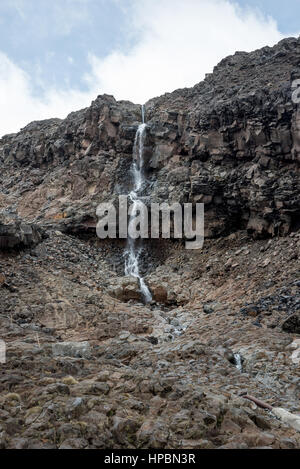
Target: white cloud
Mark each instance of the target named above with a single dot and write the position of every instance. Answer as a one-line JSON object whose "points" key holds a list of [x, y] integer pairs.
{"points": [[18, 105], [179, 41]]}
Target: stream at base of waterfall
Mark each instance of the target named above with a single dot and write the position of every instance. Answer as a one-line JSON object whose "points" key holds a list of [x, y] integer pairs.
{"points": [[133, 253]]}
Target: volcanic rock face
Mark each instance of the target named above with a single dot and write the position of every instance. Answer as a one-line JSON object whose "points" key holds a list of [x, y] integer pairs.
{"points": [[231, 142], [88, 365]]}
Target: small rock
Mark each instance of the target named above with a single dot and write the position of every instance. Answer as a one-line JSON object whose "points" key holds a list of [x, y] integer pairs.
{"points": [[292, 324], [72, 349], [208, 308], [124, 335]]}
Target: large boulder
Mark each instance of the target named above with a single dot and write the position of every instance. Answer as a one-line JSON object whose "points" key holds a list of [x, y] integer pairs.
{"points": [[159, 292], [72, 349], [14, 233], [125, 289], [292, 324], [167, 289]]}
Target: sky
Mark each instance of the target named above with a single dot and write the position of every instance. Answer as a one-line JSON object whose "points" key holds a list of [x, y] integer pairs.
{"points": [[57, 56]]}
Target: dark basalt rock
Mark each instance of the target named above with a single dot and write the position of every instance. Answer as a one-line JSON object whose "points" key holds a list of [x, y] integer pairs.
{"points": [[232, 142], [17, 234], [292, 324]]}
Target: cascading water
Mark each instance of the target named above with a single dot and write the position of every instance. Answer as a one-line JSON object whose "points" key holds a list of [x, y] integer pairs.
{"points": [[238, 361], [143, 114], [133, 253]]}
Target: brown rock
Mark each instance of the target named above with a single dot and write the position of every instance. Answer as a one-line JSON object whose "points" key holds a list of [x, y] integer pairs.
{"points": [[292, 324]]}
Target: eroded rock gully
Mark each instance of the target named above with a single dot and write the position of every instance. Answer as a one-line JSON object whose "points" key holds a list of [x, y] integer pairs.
{"points": [[88, 364]]}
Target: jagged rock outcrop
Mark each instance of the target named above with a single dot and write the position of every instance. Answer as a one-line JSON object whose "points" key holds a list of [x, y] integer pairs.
{"points": [[232, 142], [292, 324], [14, 233]]}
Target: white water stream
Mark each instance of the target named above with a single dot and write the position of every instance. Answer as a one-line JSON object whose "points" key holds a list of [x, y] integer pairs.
{"points": [[133, 253], [238, 361]]}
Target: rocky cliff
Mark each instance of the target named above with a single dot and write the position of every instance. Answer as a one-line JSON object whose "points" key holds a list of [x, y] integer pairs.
{"points": [[88, 364], [231, 142]]}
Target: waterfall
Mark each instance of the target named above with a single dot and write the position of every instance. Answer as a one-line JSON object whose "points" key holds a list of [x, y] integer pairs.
{"points": [[238, 361], [133, 253], [143, 114]]}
